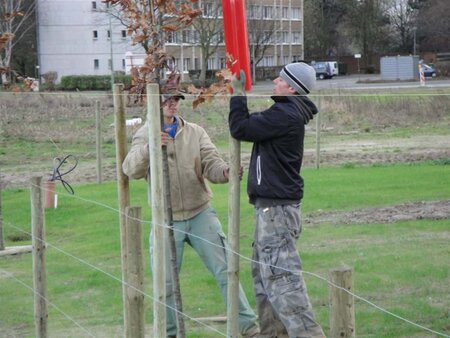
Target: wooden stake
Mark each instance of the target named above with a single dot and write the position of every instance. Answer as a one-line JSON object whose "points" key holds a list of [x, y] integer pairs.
{"points": [[122, 183], [135, 270], [318, 115], [39, 268], [2, 241], [158, 208], [342, 317], [233, 239], [98, 142]]}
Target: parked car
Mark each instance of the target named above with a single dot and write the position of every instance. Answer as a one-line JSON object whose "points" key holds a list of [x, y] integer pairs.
{"points": [[428, 71]]}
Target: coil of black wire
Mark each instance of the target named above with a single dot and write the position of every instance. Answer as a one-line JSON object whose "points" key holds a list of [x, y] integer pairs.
{"points": [[57, 175]]}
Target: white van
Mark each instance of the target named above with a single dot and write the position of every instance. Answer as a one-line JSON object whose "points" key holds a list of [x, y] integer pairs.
{"points": [[325, 69], [334, 67]]}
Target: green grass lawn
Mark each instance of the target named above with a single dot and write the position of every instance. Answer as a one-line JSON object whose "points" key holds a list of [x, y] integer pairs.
{"points": [[402, 267]]}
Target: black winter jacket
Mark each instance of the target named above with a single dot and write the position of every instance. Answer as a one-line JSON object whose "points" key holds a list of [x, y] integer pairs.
{"points": [[278, 134]]}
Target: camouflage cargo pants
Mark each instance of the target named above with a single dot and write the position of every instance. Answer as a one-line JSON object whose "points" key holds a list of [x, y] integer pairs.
{"points": [[282, 300]]}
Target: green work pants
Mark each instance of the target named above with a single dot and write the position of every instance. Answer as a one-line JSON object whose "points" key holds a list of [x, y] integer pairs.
{"points": [[204, 234]]}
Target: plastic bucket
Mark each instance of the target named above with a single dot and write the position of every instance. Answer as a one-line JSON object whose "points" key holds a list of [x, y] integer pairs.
{"points": [[49, 193]]}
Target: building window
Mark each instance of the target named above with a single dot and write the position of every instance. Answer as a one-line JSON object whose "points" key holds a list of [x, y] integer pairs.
{"points": [[96, 64], [124, 34], [95, 34], [186, 36], [186, 64], [94, 5], [207, 9], [177, 63], [223, 63], [295, 37], [211, 63], [295, 12], [285, 37], [255, 12], [285, 12], [195, 37], [268, 12], [196, 63], [269, 37], [171, 37], [267, 61], [220, 37], [171, 63]]}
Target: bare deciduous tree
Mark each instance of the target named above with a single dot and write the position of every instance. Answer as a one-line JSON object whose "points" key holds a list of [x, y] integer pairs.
{"points": [[369, 25], [402, 18], [146, 21], [323, 27], [262, 33], [209, 30], [13, 15], [433, 25]]}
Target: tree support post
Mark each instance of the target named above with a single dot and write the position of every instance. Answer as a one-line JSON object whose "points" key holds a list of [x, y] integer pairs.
{"points": [[342, 317], [318, 115], [123, 189], [39, 267], [135, 268], [156, 190], [233, 239], [2, 241], [98, 143]]}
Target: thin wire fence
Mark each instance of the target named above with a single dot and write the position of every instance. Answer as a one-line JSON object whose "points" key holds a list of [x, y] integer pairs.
{"points": [[247, 259], [51, 125]]}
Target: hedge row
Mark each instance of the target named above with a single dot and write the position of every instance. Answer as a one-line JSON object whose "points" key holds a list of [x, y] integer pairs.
{"points": [[91, 82]]}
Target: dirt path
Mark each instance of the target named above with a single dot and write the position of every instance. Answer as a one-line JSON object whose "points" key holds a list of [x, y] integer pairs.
{"points": [[433, 210], [358, 152]]}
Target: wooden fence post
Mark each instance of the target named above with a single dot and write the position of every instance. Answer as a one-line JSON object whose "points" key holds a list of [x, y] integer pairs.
{"points": [[98, 142], [39, 269], [135, 269], [342, 316], [122, 182], [2, 241], [233, 239], [318, 115], [156, 190]]}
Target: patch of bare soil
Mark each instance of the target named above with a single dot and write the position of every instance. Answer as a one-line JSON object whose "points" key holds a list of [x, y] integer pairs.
{"points": [[382, 151], [433, 210]]}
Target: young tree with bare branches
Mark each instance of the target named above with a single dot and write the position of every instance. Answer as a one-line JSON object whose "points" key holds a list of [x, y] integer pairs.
{"points": [[147, 22], [209, 29], [261, 35]]}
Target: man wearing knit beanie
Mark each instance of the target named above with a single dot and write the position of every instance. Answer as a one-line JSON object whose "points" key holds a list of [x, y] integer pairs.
{"points": [[300, 76], [275, 188]]}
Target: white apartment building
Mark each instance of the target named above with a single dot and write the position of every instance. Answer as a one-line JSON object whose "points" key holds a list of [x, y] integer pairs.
{"points": [[79, 37]]}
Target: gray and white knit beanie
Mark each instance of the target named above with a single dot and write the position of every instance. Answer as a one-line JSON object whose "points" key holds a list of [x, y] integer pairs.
{"points": [[300, 76]]}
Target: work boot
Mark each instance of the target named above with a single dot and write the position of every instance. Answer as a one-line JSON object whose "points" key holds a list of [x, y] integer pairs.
{"points": [[252, 333]]}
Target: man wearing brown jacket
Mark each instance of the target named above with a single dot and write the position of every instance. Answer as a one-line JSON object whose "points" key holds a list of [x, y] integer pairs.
{"points": [[192, 158]]}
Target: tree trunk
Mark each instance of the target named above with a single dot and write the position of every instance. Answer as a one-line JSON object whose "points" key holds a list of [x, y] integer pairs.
{"points": [[2, 243], [159, 42], [204, 68], [173, 249]]}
